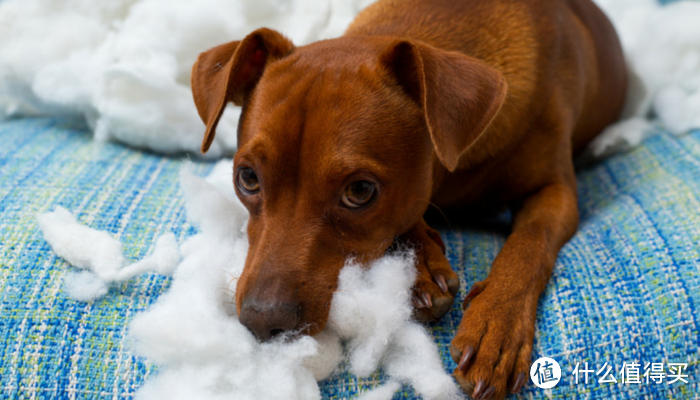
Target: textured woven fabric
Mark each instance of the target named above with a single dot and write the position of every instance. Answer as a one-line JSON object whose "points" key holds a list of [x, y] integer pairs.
{"points": [[626, 288]]}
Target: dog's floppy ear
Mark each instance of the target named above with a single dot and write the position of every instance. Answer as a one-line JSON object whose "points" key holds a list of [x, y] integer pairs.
{"points": [[230, 72], [459, 95]]}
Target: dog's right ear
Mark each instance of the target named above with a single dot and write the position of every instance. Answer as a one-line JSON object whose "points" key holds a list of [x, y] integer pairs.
{"points": [[230, 72]]}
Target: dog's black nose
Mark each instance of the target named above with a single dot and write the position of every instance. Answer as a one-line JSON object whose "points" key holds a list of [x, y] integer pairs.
{"points": [[268, 319]]}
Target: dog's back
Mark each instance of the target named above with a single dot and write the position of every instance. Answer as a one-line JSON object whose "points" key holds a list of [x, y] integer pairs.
{"points": [[543, 49]]}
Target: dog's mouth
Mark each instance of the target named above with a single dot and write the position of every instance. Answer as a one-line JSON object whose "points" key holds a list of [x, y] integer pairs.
{"points": [[285, 311], [283, 335]]}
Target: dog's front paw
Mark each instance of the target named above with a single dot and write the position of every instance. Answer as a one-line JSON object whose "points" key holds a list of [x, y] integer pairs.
{"points": [[494, 341], [436, 284]]}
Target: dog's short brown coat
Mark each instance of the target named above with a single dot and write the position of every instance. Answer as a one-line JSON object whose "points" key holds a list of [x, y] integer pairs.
{"points": [[462, 103]]}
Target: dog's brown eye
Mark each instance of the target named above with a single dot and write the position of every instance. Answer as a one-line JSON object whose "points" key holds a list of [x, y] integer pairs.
{"points": [[248, 181], [358, 194]]}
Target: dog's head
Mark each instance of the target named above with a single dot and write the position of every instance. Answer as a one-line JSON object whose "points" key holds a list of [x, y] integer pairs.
{"points": [[339, 144]]}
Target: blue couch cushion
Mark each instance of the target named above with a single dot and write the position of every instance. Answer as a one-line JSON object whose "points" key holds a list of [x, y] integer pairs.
{"points": [[625, 289]]}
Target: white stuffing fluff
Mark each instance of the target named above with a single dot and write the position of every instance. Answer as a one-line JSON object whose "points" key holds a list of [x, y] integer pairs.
{"points": [[100, 254], [125, 64], [622, 136], [81, 246], [662, 47], [84, 286], [192, 331]]}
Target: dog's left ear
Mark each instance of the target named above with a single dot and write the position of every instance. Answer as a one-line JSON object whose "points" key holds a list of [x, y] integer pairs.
{"points": [[230, 72], [459, 95]]}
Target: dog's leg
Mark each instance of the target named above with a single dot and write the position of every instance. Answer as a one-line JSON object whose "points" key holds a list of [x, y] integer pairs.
{"points": [[494, 341], [436, 283]]}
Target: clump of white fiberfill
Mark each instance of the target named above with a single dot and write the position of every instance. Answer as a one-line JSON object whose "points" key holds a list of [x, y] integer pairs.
{"points": [[662, 48], [100, 255], [622, 136], [125, 64], [81, 246], [84, 286], [193, 334], [371, 312]]}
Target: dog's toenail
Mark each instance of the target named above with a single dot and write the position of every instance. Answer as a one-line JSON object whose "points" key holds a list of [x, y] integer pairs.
{"points": [[479, 389], [519, 382], [489, 393], [466, 358], [475, 290], [440, 280], [427, 300], [418, 303]]}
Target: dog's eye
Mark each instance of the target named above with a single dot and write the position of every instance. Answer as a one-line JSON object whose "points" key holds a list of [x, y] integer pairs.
{"points": [[358, 194], [248, 181]]}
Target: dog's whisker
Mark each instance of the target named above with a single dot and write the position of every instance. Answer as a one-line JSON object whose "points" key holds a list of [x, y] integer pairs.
{"points": [[444, 216]]}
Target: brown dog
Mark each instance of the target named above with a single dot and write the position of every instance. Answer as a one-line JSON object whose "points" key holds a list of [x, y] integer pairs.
{"points": [[463, 103]]}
